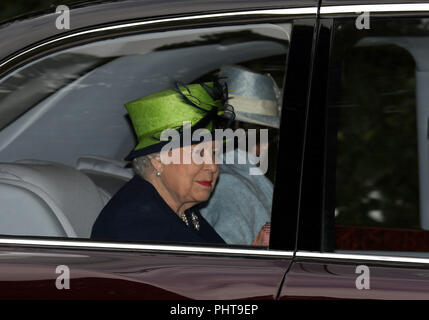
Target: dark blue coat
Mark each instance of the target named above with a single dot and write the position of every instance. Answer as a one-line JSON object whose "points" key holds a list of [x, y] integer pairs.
{"points": [[138, 213]]}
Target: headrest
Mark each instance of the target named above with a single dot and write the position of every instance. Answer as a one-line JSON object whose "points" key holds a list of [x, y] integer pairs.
{"points": [[68, 189], [105, 165]]}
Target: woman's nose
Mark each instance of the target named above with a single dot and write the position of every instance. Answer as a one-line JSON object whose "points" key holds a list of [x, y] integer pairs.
{"points": [[211, 165]]}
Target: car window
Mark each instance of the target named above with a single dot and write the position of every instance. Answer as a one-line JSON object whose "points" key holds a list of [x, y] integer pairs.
{"points": [[377, 138], [64, 130]]}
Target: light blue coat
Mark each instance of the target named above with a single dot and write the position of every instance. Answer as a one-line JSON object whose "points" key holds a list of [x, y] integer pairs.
{"points": [[240, 204]]}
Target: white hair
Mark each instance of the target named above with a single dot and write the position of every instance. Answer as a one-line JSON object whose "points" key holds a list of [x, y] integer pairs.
{"points": [[143, 165]]}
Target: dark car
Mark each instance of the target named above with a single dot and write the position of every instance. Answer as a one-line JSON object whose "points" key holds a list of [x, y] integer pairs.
{"points": [[349, 161]]}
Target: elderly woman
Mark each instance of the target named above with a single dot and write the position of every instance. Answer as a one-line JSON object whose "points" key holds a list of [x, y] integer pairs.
{"points": [[160, 202]]}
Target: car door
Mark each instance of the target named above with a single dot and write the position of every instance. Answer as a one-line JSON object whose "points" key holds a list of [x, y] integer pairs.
{"points": [[363, 217], [52, 83]]}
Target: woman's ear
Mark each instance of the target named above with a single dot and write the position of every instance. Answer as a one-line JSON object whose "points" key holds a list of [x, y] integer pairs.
{"points": [[156, 162]]}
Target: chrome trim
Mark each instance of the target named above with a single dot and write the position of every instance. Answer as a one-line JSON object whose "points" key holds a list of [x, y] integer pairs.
{"points": [[410, 7], [73, 244], [292, 11], [366, 257]]}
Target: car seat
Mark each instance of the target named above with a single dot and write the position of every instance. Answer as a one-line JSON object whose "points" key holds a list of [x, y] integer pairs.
{"points": [[41, 198], [108, 174]]}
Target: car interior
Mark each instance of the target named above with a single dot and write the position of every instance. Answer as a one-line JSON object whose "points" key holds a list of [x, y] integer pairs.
{"points": [[64, 131]]}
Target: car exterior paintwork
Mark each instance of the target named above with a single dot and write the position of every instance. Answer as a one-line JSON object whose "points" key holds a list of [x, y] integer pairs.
{"points": [[337, 280], [31, 273]]}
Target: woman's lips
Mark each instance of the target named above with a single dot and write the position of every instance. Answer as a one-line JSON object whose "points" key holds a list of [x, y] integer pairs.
{"points": [[205, 183]]}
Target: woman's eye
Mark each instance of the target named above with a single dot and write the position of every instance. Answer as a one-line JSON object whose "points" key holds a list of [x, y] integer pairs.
{"points": [[199, 152]]}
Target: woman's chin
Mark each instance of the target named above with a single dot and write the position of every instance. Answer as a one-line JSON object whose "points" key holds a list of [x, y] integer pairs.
{"points": [[202, 196]]}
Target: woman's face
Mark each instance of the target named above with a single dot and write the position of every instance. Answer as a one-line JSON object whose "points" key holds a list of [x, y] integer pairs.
{"points": [[192, 182]]}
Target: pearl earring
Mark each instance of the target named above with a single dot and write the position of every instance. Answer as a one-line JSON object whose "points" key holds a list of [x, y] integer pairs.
{"points": [[158, 173]]}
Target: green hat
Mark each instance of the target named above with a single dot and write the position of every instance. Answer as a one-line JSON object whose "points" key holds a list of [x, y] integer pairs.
{"points": [[200, 104]]}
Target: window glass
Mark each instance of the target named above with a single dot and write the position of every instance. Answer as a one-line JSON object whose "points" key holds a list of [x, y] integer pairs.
{"points": [[378, 136], [64, 134]]}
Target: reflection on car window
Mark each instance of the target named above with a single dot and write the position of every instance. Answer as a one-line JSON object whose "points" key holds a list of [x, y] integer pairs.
{"points": [[24, 89], [377, 136], [66, 138]]}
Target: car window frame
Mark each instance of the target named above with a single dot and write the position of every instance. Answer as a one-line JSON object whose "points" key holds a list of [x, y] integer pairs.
{"points": [[75, 38], [316, 233]]}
